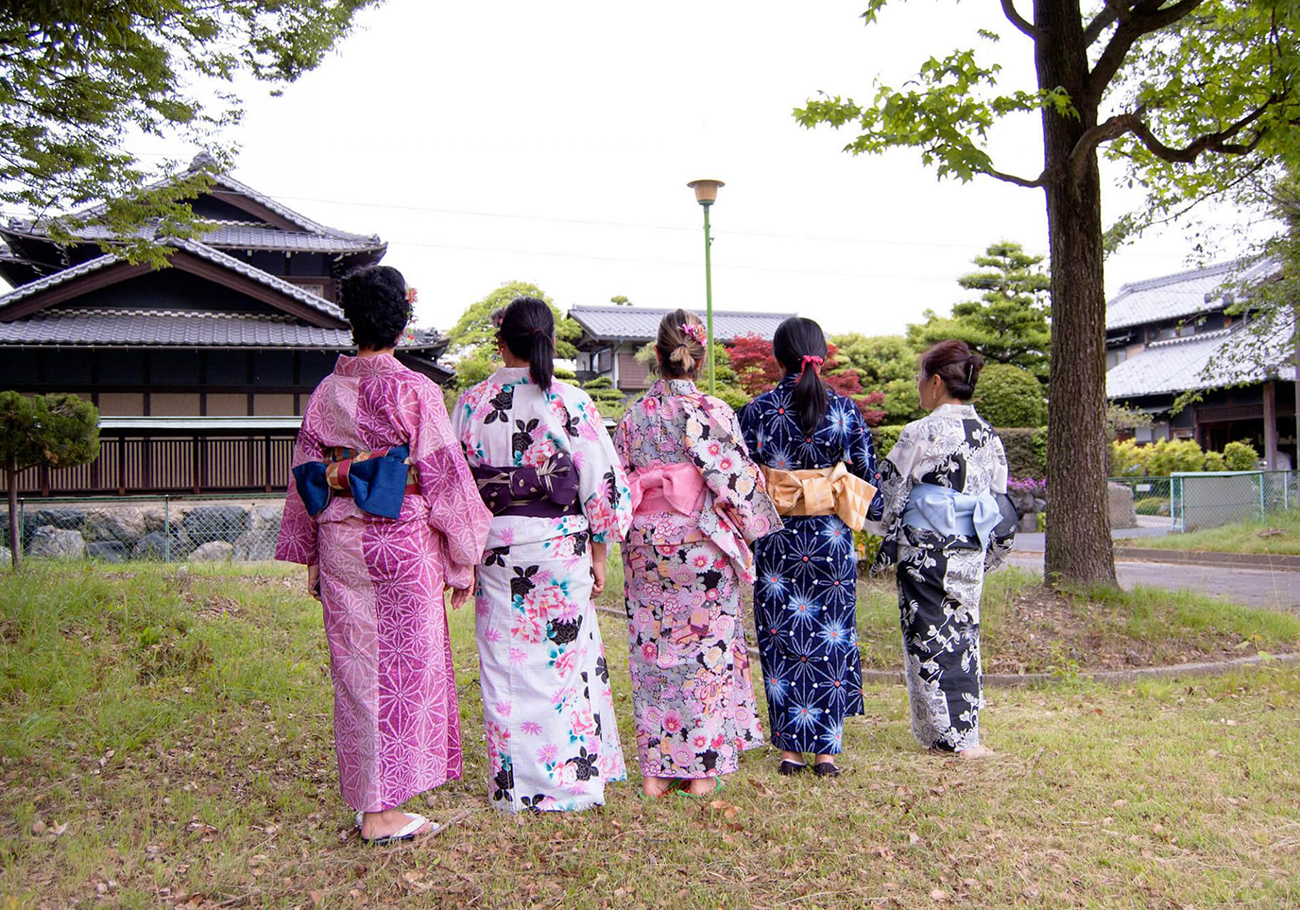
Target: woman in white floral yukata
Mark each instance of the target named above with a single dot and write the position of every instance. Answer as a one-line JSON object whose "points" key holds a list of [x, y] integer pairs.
{"points": [[698, 503], [546, 469], [946, 522]]}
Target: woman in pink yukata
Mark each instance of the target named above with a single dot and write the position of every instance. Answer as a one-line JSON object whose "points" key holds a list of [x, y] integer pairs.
{"points": [[384, 513], [698, 503], [546, 468]]}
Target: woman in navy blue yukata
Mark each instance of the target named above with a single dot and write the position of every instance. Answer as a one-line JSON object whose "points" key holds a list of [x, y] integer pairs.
{"points": [[820, 465]]}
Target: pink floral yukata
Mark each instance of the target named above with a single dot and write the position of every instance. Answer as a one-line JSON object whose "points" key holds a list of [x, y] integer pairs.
{"points": [[396, 718], [548, 469], [691, 686]]}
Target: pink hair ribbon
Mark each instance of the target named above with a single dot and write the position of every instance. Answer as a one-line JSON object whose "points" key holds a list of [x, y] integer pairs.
{"points": [[814, 360]]}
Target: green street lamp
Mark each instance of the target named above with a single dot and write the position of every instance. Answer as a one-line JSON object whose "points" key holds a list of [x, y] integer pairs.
{"points": [[706, 193]]}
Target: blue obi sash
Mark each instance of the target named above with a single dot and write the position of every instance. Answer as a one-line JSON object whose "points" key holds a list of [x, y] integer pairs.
{"points": [[377, 481], [953, 514]]}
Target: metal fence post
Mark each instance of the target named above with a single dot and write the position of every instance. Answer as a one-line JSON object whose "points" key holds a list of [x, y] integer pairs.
{"points": [[167, 529], [22, 527]]}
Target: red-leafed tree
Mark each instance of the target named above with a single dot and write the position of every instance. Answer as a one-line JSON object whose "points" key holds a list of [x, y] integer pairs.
{"points": [[757, 371]]}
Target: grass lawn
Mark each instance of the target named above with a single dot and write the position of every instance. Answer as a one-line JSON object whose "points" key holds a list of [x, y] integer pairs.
{"points": [[1278, 535], [165, 741]]}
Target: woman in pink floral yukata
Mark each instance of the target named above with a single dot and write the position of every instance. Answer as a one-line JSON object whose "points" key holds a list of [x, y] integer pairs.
{"points": [[546, 468], [698, 503], [384, 513]]}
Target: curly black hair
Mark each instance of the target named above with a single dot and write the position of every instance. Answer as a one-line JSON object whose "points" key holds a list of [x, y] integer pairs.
{"points": [[374, 300]]}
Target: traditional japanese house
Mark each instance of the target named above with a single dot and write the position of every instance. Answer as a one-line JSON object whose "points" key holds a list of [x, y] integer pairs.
{"points": [[1175, 334], [201, 370]]}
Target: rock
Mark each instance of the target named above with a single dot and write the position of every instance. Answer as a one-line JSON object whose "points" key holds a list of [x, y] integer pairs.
{"points": [[1028, 524], [108, 551], [216, 523], [214, 551], [1120, 500], [151, 546], [50, 542], [257, 545], [71, 519], [126, 525], [6, 557]]}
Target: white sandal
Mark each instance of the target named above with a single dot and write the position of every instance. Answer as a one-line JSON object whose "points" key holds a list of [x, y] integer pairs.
{"points": [[407, 832]]}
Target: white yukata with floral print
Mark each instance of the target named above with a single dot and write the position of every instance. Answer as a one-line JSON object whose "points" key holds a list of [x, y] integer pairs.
{"points": [[551, 734]]}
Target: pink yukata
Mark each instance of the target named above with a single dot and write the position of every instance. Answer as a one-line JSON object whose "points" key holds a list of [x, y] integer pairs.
{"points": [[683, 564], [546, 465], [396, 717]]}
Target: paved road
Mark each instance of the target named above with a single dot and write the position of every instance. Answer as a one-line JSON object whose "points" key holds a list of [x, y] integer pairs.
{"points": [[1276, 590]]}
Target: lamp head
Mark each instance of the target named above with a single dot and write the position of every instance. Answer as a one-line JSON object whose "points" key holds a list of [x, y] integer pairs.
{"points": [[706, 191]]}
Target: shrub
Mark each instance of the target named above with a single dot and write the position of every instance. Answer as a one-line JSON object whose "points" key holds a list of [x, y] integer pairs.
{"points": [[1214, 461], [1007, 396], [1152, 505], [1170, 456], [885, 437], [1240, 456], [1023, 452], [608, 400]]}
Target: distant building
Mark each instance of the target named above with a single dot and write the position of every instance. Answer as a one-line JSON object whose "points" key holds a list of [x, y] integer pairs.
{"points": [[200, 371], [1168, 335], [612, 335]]}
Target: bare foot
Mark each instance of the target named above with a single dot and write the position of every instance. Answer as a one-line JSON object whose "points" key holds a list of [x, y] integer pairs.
{"points": [[702, 786], [655, 787], [792, 757], [387, 823], [976, 752]]}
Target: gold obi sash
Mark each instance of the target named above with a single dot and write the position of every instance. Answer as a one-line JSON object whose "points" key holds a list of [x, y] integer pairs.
{"points": [[821, 491]]}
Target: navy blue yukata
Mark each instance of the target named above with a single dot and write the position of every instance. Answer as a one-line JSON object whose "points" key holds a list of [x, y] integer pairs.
{"points": [[805, 596]]}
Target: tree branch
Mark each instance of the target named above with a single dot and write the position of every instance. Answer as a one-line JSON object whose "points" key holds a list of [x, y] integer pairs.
{"points": [[1210, 142], [1103, 132], [1141, 20], [1115, 11], [1038, 181], [1019, 21]]}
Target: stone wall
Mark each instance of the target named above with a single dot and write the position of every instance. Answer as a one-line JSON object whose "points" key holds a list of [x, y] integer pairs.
{"points": [[117, 532]]}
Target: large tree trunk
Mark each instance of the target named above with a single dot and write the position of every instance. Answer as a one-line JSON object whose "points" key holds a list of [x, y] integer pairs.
{"points": [[1078, 527], [15, 539]]}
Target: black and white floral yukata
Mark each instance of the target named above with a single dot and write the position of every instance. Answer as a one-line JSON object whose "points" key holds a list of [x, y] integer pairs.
{"points": [[941, 576]]}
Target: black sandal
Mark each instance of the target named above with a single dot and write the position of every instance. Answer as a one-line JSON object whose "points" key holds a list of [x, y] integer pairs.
{"points": [[826, 769], [787, 768]]}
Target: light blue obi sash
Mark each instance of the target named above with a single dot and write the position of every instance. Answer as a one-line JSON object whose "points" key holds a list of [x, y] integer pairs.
{"points": [[948, 512]]}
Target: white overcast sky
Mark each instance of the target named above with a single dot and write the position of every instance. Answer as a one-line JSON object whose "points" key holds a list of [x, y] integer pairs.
{"points": [[551, 142]]}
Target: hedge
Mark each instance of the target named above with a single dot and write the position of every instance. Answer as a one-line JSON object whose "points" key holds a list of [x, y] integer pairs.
{"points": [[1026, 448]]}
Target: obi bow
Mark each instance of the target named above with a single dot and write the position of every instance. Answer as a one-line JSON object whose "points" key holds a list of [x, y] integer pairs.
{"points": [[951, 513], [377, 481], [821, 491], [670, 488], [546, 492]]}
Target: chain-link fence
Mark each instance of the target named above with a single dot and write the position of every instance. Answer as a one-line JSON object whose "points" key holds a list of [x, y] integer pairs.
{"points": [[118, 529], [1196, 501]]}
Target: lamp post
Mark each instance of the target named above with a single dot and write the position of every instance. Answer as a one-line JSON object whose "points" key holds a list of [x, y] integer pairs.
{"points": [[706, 193]]}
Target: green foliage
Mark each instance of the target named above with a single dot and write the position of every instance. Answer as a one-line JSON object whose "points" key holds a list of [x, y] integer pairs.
{"points": [[1122, 419], [1214, 461], [1009, 323], [474, 328], [608, 400], [1007, 396], [885, 437], [902, 402], [1024, 455], [78, 78], [879, 359], [18, 438], [1240, 456], [1040, 448], [1152, 505]]}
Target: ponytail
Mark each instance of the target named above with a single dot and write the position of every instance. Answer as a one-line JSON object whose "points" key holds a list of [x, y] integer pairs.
{"points": [[800, 347], [541, 361], [527, 328], [680, 343]]}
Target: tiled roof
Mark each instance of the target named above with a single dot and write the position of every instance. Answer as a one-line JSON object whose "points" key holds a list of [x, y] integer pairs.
{"points": [[1180, 364], [180, 328], [190, 246], [610, 323], [243, 235], [1182, 294]]}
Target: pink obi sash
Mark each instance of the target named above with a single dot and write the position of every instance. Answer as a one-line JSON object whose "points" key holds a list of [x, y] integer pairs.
{"points": [[671, 488]]}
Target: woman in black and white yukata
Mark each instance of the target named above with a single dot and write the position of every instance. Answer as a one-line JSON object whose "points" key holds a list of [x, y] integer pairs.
{"points": [[946, 522]]}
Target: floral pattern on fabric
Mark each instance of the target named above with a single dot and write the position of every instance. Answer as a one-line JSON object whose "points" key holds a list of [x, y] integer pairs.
{"points": [[805, 598], [396, 717], [940, 577], [692, 692], [547, 706]]}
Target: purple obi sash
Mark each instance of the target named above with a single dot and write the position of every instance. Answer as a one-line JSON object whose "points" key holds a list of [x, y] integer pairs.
{"points": [[546, 492]]}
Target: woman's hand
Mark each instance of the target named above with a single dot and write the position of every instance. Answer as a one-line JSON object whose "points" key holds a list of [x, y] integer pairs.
{"points": [[313, 581], [460, 595], [599, 552]]}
